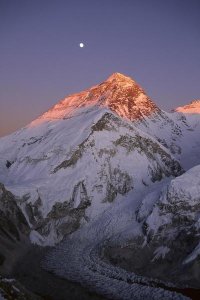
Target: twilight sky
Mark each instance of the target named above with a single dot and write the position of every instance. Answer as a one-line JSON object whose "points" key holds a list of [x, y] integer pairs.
{"points": [[156, 42]]}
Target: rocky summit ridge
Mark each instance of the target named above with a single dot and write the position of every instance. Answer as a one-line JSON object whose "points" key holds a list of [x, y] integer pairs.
{"points": [[108, 171], [119, 93]]}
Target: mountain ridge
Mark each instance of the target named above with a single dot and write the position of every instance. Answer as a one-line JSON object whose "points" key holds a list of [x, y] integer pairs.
{"points": [[119, 93], [103, 168], [192, 107]]}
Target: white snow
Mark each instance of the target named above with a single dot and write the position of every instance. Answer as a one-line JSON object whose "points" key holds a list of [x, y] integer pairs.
{"points": [[161, 252], [80, 256], [178, 132], [192, 256], [191, 108], [40, 152], [36, 238]]}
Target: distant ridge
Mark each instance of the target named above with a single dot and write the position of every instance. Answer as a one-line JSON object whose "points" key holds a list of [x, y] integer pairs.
{"points": [[192, 108]]}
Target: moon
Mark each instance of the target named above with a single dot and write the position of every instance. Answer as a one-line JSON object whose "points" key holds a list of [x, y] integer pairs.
{"points": [[81, 45]]}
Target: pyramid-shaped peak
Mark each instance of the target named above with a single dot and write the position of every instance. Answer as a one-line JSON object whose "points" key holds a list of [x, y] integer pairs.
{"points": [[119, 93], [119, 77]]}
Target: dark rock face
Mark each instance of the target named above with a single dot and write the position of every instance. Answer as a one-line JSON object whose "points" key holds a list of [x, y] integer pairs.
{"points": [[12, 221], [65, 217], [166, 167], [13, 226], [9, 164], [13, 290]]}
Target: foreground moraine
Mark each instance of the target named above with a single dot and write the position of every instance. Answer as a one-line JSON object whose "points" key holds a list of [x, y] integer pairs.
{"points": [[40, 282]]}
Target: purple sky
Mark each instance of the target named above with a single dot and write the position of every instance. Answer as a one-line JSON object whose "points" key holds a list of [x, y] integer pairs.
{"points": [[156, 42]]}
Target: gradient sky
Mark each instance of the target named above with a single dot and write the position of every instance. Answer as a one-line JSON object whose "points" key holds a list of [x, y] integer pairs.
{"points": [[156, 42]]}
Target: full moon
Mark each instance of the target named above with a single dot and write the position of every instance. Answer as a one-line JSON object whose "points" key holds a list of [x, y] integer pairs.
{"points": [[81, 45]]}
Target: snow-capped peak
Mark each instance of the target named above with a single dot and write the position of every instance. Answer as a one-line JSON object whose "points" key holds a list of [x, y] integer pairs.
{"points": [[192, 108], [118, 93], [119, 77]]}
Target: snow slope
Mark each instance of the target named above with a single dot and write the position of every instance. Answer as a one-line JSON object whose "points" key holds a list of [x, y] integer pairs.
{"points": [[72, 162], [81, 254], [172, 202], [192, 108], [178, 132], [98, 168], [119, 93], [178, 203], [65, 179]]}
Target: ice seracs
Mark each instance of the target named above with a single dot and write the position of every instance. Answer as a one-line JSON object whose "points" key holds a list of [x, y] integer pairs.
{"points": [[98, 169]]}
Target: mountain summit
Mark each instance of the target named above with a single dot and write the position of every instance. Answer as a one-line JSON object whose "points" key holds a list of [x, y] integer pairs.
{"points": [[192, 108], [119, 93], [83, 171]]}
